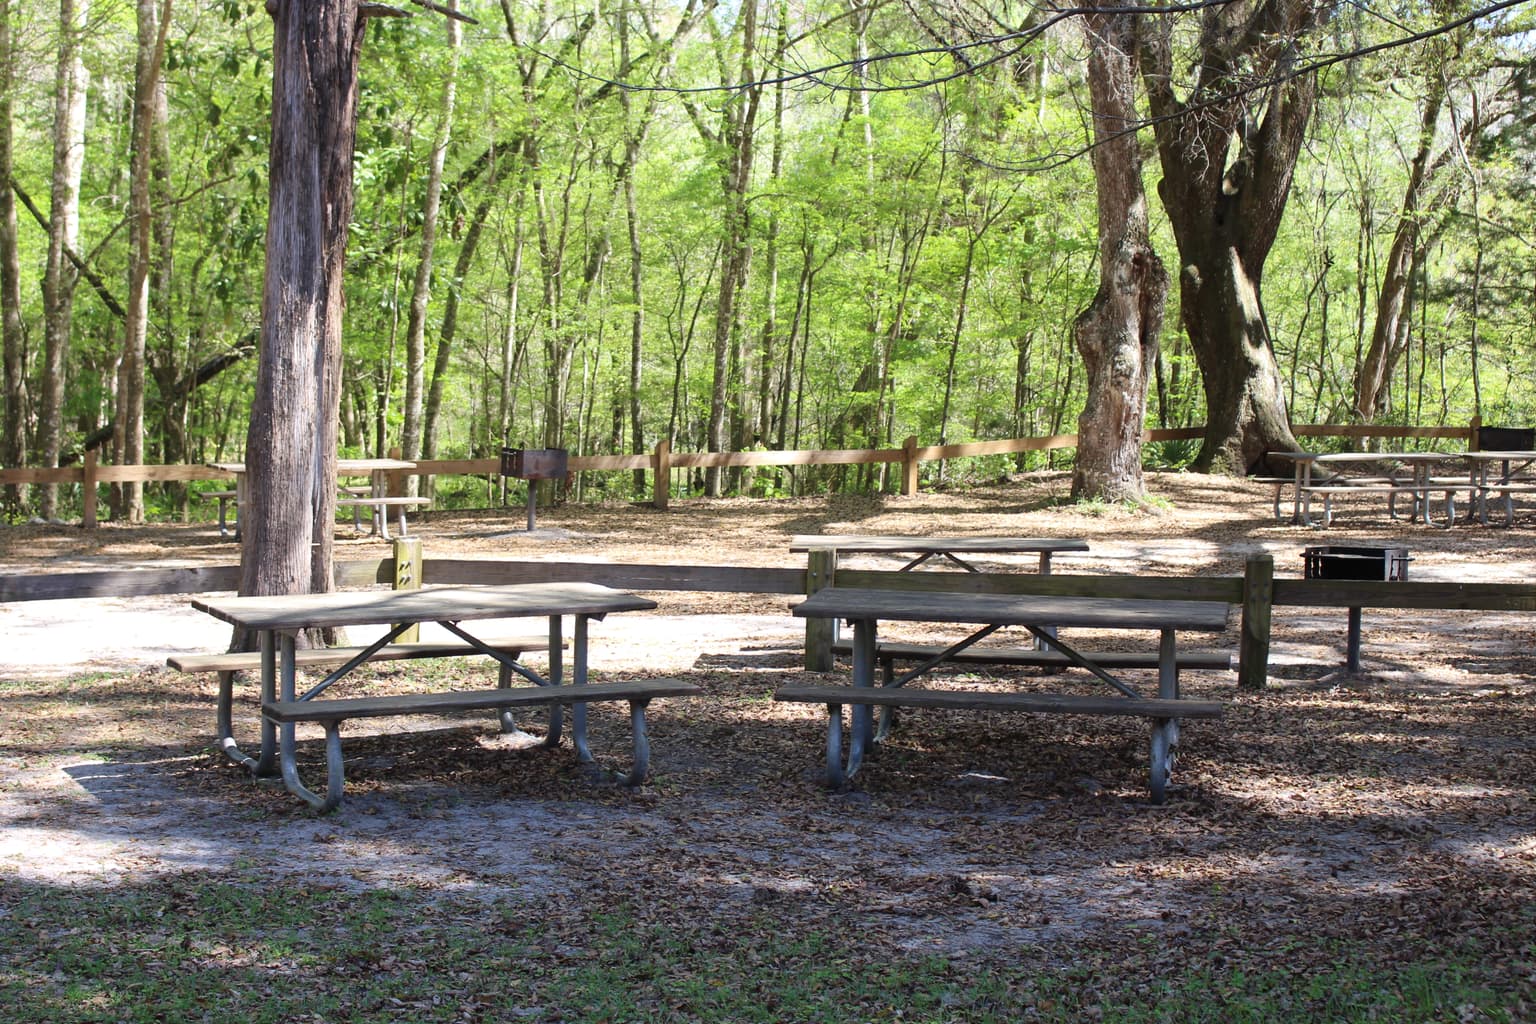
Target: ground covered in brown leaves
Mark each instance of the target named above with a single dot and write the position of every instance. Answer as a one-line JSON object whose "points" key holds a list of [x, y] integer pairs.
{"points": [[1382, 818]]}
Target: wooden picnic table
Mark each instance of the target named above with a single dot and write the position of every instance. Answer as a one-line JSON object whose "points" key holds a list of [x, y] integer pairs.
{"points": [[924, 549], [378, 497], [277, 621], [1040, 615], [1345, 478], [1502, 473], [947, 548]]}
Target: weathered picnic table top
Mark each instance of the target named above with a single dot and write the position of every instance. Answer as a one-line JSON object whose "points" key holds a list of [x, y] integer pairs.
{"points": [[429, 604], [936, 545], [1012, 610]]}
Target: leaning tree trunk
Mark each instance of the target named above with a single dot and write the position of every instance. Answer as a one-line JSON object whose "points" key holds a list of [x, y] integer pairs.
{"points": [[1228, 151], [291, 448], [1117, 334], [1246, 414]]}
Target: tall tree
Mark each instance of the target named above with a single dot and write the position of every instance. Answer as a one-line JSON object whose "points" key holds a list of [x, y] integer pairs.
{"points": [[733, 141], [153, 23], [415, 438], [1117, 334], [13, 444], [1228, 148], [70, 82]]}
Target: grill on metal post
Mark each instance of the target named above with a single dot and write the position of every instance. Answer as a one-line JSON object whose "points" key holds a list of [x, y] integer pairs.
{"points": [[532, 465], [1335, 562]]}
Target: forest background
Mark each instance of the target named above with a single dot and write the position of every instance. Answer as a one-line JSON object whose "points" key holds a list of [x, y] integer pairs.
{"points": [[756, 224]]}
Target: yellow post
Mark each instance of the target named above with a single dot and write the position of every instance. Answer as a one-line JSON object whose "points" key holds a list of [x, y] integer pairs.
{"points": [[820, 571], [408, 576]]}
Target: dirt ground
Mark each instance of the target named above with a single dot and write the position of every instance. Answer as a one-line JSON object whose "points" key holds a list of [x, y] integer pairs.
{"points": [[1394, 805]]}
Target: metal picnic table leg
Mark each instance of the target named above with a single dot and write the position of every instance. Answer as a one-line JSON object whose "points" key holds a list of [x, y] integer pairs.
{"points": [[266, 763], [380, 513], [579, 678], [288, 744], [1165, 731], [861, 723], [554, 677]]}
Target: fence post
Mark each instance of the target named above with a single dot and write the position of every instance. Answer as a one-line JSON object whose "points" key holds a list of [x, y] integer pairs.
{"points": [[88, 490], [407, 576], [394, 479], [1474, 434], [1258, 606], [909, 466], [661, 472], [820, 571]]}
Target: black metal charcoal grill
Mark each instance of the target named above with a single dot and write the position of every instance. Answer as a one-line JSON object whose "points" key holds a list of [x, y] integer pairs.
{"points": [[534, 464], [1336, 562]]}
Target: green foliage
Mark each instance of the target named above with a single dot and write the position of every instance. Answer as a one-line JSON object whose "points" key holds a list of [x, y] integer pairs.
{"points": [[195, 947], [890, 208]]}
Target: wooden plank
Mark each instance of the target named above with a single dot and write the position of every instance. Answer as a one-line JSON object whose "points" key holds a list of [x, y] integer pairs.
{"points": [[1012, 610], [120, 583], [964, 700], [392, 502], [971, 449], [250, 661], [622, 576], [1406, 594], [434, 604], [344, 708], [827, 457], [933, 545], [1029, 656], [1223, 589], [1379, 430]]}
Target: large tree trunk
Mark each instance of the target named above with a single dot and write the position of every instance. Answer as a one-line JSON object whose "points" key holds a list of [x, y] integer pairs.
{"points": [[1117, 334], [291, 448], [70, 82], [13, 444], [1228, 152]]}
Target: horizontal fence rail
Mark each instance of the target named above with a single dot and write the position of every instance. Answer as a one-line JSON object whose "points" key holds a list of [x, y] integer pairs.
{"points": [[663, 460]]}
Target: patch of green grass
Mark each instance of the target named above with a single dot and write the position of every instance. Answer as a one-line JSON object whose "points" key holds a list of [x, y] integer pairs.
{"points": [[197, 949]]}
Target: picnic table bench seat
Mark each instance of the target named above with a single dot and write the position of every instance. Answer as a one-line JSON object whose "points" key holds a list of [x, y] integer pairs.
{"points": [[1358, 485], [887, 652], [330, 713], [1505, 492], [380, 506], [224, 498], [1164, 712], [994, 700], [329, 657]]}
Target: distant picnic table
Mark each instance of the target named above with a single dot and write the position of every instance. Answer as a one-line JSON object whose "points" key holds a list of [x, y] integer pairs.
{"points": [[376, 496]]}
